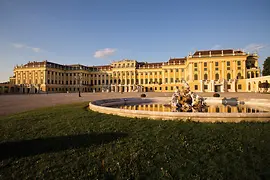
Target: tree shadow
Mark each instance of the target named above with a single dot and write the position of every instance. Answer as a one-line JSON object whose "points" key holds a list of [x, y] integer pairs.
{"points": [[32, 147]]}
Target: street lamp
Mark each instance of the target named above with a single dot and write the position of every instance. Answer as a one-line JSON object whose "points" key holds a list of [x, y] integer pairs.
{"points": [[78, 77]]}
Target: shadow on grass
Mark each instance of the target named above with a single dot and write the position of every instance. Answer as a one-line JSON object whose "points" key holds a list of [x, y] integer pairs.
{"points": [[32, 147]]}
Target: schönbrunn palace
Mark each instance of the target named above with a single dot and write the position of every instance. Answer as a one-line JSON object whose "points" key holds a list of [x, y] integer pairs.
{"points": [[205, 71]]}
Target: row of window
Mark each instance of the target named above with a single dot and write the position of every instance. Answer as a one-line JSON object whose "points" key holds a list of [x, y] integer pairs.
{"points": [[114, 74], [216, 64], [30, 81], [228, 87], [205, 77]]}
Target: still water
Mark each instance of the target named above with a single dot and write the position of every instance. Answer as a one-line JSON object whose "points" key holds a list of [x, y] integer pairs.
{"points": [[220, 108]]}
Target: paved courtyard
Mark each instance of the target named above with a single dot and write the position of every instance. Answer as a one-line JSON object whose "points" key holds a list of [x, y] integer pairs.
{"points": [[18, 103]]}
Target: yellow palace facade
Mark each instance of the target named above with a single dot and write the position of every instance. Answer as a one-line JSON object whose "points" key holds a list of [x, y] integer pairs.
{"points": [[205, 71]]}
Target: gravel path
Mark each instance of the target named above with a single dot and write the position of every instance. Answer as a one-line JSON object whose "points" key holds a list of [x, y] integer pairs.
{"points": [[10, 104]]}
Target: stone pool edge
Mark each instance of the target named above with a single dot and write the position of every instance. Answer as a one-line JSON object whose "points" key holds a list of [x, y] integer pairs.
{"points": [[100, 106]]}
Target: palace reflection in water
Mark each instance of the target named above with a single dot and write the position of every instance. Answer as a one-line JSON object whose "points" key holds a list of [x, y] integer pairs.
{"points": [[210, 108]]}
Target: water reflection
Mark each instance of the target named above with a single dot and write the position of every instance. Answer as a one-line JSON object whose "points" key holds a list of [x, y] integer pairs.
{"points": [[210, 108]]}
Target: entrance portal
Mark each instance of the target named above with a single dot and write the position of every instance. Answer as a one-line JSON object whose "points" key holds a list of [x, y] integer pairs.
{"points": [[217, 88]]}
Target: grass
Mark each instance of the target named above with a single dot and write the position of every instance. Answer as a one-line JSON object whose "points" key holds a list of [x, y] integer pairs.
{"points": [[71, 142]]}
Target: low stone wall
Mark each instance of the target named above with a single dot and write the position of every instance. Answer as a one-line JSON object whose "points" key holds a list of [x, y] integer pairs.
{"points": [[103, 106]]}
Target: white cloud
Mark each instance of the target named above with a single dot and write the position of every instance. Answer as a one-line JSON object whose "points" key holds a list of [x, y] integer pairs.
{"points": [[104, 52], [215, 47], [17, 45], [36, 49], [20, 46], [254, 47]]}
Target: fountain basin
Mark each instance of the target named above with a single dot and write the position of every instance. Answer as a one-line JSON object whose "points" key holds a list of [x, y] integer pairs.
{"points": [[109, 106]]}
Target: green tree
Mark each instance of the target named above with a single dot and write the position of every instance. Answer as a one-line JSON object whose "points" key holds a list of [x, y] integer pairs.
{"points": [[266, 67]]}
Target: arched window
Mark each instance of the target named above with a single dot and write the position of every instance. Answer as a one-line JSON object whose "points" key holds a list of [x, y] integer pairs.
{"points": [[217, 76], [252, 74], [228, 76], [248, 75], [195, 76], [257, 74], [249, 86], [239, 76], [205, 77]]}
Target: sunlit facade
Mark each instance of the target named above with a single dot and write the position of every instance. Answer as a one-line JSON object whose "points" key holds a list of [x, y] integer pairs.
{"points": [[205, 71]]}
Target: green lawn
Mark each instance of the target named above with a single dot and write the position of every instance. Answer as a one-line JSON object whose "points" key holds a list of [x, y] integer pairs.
{"points": [[71, 142]]}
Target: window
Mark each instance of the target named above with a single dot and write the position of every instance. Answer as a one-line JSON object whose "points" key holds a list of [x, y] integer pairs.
{"points": [[205, 64], [205, 69], [195, 69], [166, 80], [183, 70], [239, 86], [217, 77], [228, 63], [166, 88], [229, 109], [176, 70], [171, 70], [228, 86], [195, 76], [195, 64], [216, 69], [196, 87], [205, 87], [228, 68], [216, 63], [160, 88], [239, 63], [171, 87], [205, 77], [171, 80], [228, 76]]}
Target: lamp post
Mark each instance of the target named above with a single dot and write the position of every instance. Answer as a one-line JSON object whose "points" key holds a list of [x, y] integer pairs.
{"points": [[78, 77]]}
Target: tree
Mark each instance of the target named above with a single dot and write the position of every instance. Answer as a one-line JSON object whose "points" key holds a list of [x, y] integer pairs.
{"points": [[266, 67]]}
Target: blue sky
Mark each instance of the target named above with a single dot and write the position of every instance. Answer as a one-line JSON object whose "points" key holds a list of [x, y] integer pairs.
{"points": [[95, 32]]}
